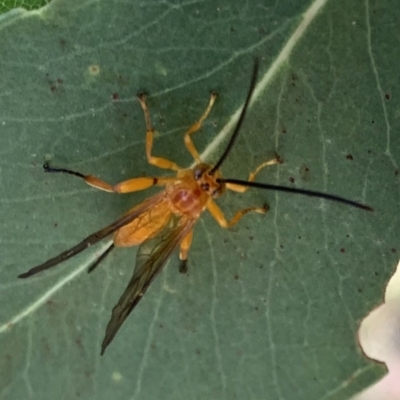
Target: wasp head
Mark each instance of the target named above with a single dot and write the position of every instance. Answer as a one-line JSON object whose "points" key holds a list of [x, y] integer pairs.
{"points": [[209, 181]]}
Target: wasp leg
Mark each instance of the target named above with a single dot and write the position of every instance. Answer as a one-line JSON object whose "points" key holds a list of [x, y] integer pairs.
{"points": [[195, 127], [130, 185], [183, 253], [157, 161], [219, 216], [252, 176]]}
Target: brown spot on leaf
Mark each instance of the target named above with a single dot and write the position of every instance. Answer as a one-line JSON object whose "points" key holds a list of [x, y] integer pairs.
{"points": [[94, 69], [304, 172]]}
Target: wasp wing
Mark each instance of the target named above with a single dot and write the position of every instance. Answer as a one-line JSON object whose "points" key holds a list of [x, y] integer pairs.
{"points": [[151, 257], [97, 236]]}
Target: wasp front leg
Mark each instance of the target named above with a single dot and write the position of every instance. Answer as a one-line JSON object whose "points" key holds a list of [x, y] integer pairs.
{"points": [[219, 216], [156, 161], [195, 127], [252, 175]]}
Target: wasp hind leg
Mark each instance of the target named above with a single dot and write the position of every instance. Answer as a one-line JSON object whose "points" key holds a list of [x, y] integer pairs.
{"points": [[128, 186], [183, 253]]}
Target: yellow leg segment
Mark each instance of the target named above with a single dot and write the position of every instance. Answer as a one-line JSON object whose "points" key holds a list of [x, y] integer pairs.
{"points": [[195, 127], [157, 161], [185, 246], [252, 176], [219, 216], [128, 186], [183, 253]]}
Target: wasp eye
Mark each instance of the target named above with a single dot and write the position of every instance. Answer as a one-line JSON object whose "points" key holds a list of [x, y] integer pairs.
{"points": [[198, 173]]}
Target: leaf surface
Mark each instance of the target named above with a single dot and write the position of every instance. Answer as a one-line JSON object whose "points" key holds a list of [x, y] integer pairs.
{"points": [[269, 309]]}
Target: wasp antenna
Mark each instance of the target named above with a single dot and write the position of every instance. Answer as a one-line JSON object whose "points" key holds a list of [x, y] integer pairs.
{"points": [[287, 189], [241, 118]]}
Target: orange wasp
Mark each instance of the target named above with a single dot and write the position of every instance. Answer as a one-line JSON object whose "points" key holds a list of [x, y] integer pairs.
{"points": [[165, 221]]}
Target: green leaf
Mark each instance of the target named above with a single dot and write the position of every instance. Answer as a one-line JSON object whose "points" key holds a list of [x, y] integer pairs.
{"points": [[7, 5], [268, 309]]}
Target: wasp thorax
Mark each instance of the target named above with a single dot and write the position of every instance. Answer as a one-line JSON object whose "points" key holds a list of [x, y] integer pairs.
{"points": [[208, 182]]}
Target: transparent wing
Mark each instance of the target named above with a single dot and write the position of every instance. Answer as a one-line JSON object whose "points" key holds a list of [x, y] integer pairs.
{"points": [[151, 257], [99, 235]]}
